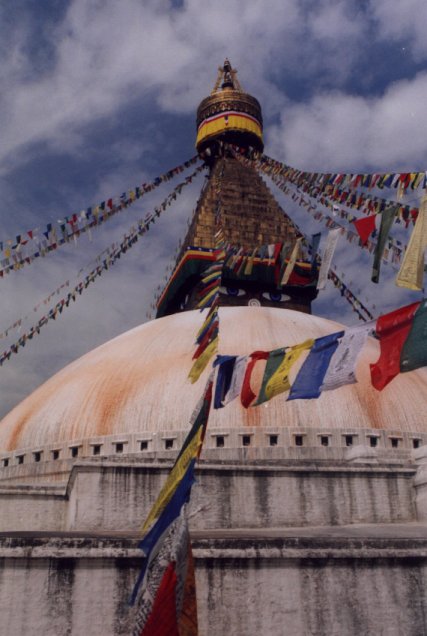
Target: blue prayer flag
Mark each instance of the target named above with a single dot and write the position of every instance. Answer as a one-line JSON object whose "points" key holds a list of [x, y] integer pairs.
{"points": [[310, 377]]}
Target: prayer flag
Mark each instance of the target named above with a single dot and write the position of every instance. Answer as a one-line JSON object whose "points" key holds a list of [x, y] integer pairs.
{"points": [[342, 367], [328, 254], [291, 263], [202, 361], [414, 351], [167, 605], [190, 450], [411, 273], [152, 541], [315, 242], [392, 330], [276, 375], [387, 218], [307, 384], [247, 395], [236, 380], [365, 226], [223, 381]]}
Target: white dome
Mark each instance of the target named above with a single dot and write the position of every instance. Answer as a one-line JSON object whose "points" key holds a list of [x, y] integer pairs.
{"points": [[138, 382]]}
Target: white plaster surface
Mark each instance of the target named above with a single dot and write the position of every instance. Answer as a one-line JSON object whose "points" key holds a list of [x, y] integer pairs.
{"points": [[138, 383]]}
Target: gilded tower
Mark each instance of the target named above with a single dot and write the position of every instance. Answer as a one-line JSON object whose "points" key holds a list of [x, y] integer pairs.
{"points": [[259, 235]]}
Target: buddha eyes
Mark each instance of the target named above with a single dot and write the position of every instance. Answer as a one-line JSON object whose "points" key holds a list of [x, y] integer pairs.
{"points": [[232, 291], [275, 297]]}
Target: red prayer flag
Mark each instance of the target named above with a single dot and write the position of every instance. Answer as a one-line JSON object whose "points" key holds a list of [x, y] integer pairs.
{"points": [[247, 395], [365, 227], [163, 620], [392, 330]]}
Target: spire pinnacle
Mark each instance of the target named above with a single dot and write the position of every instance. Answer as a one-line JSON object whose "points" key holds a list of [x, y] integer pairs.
{"points": [[227, 78]]}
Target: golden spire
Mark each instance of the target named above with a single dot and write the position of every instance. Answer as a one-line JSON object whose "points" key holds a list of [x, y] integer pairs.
{"points": [[226, 78], [228, 115]]}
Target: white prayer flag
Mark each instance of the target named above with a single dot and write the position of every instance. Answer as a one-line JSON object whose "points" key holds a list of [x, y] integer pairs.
{"points": [[236, 379], [342, 367], [328, 254]]}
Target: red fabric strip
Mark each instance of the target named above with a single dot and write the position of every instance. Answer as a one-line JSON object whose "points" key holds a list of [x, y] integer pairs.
{"points": [[206, 339], [365, 227], [247, 395], [392, 331], [162, 620]]}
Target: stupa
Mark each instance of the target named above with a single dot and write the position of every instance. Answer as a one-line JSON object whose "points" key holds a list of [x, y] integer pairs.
{"points": [[309, 517]]}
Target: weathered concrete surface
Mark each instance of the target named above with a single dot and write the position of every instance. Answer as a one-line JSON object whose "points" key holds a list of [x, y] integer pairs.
{"points": [[298, 582], [116, 496]]}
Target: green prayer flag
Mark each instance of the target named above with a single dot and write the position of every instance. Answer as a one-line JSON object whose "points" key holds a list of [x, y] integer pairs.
{"points": [[387, 219], [274, 361], [414, 350]]}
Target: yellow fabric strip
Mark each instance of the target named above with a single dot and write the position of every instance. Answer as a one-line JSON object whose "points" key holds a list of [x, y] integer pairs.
{"points": [[202, 361], [291, 263], [208, 317], [279, 381], [174, 477], [207, 298], [411, 273], [230, 122]]}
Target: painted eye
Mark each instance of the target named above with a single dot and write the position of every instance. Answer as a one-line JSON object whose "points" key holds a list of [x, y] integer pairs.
{"points": [[275, 297], [232, 291]]}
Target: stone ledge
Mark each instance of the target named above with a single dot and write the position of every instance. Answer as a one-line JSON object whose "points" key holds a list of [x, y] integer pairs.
{"points": [[382, 541]]}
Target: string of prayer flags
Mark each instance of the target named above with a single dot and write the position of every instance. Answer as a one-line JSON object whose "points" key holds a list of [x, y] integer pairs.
{"points": [[392, 330], [328, 254], [308, 382], [277, 370], [208, 335], [394, 246], [342, 367], [328, 189], [39, 243], [202, 361], [109, 258], [411, 273], [387, 219], [167, 602], [357, 306], [386, 180], [167, 520], [373, 206], [152, 542], [190, 451], [414, 350]]}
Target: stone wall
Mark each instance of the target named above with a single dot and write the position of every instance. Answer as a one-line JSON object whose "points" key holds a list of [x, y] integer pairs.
{"points": [[117, 495], [299, 586]]}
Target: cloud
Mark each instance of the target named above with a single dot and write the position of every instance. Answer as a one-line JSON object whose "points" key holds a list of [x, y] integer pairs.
{"points": [[339, 131], [98, 57], [403, 22]]}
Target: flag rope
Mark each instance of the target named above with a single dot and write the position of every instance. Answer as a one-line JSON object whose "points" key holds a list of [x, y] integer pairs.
{"points": [[112, 255]]}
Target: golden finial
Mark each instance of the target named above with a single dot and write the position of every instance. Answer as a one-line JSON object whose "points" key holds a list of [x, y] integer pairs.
{"points": [[226, 78]]}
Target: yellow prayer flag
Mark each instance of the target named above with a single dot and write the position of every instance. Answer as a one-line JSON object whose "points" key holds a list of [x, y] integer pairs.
{"points": [[202, 361], [206, 298], [291, 264], [279, 381], [411, 271], [174, 477]]}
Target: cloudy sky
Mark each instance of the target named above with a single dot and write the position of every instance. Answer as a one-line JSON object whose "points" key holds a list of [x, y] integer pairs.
{"points": [[100, 96]]}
